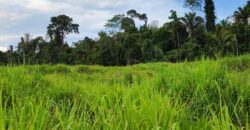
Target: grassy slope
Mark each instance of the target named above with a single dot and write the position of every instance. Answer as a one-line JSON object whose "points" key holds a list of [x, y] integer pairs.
{"points": [[198, 95]]}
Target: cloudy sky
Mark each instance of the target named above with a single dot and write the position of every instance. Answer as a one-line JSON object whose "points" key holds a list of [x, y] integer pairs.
{"points": [[32, 16]]}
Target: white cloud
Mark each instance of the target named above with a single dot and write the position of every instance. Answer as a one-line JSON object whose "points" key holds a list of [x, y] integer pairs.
{"points": [[11, 16], [4, 38], [5, 41], [3, 49], [35, 5], [100, 4], [42, 5]]}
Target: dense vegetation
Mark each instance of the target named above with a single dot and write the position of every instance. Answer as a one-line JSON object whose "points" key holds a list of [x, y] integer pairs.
{"points": [[189, 94], [125, 42], [197, 95]]}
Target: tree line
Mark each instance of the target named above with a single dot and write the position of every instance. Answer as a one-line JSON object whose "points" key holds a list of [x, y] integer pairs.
{"points": [[124, 42]]}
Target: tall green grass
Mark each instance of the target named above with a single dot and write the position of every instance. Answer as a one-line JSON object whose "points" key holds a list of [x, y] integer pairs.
{"points": [[198, 95]]}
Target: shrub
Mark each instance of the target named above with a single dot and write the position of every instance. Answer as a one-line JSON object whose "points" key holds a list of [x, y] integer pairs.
{"points": [[128, 79], [63, 69]]}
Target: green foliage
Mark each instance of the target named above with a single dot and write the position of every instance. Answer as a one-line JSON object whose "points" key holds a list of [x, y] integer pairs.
{"points": [[193, 4], [61, 26], [191, 21], [237, 64], [3, 58], [190, 95], [87, 70], [61, 69], [128, 25], [128, 78], [190, 50], [126, 42], [198, 95], [242, 14], [210, 15]]}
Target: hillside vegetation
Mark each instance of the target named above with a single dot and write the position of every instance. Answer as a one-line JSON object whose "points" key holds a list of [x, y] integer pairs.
{"points": [[192, 95]]}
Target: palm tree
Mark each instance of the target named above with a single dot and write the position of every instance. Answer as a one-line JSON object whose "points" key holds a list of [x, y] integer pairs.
{"points": [[242, 14], [176, 26], [192, 21], [22, 47], [226, 39]]}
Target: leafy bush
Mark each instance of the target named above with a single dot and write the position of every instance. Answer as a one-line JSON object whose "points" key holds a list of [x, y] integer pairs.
{"points": [[63, 69], [237, 64], [128, 79]]}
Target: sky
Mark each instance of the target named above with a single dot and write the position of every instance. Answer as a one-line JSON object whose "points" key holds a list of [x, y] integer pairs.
{"points": [[18, 17]]}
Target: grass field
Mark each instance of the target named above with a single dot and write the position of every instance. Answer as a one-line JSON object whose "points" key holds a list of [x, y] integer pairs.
{"points": [[187, 96]]}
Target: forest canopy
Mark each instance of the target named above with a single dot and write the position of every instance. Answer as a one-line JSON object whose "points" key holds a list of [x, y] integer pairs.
{"points": [[124, 42]]}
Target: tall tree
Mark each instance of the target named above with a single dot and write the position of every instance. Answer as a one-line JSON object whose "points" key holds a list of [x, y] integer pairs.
{"points": [[176, 27], [86, 51], [227, 41], [210, 15], [193, 4], [134, 14], [128, 25], [61, 26], [114, 24], [192, 21], [23, 46], [208, 9], [242, 14]]}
